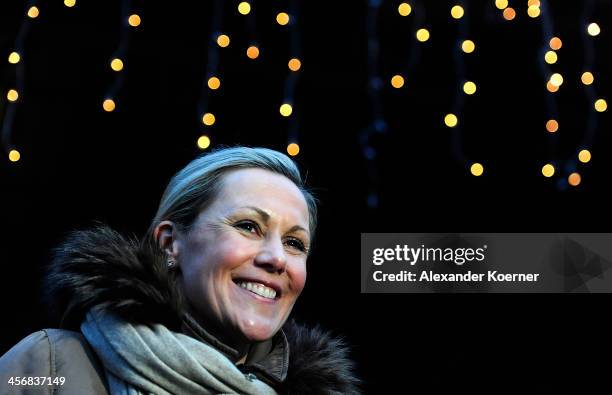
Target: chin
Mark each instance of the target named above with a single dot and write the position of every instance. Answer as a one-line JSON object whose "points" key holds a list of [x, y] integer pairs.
{"points": [[255, 331]]}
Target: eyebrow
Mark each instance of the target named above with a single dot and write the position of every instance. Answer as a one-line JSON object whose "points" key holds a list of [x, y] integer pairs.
{"points": [[265, 217]]}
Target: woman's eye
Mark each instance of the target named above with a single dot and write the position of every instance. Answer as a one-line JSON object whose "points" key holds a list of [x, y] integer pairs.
{"points": [[248, 226], [297, 244]]}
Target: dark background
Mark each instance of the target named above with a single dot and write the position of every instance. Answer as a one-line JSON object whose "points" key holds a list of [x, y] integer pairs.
{"points": [[79, 165]]}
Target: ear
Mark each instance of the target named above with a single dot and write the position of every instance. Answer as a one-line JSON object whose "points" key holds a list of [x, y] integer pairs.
{"points": [[167, 237]]}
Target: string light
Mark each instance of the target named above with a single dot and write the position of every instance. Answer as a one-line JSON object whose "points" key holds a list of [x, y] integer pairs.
{"points": [[584, 156], [556, 79], [451, 120], [33, 12], [422, 35], [244, 8], [214, 83], [294, 64], [550, 57], [134, 20], [286, 109], [293, 149], [208, 119], [282, 18], [601, 105], [203, 142], [223, 40], [469, 87], [477, 169], [252, 52], [593, 29], [555, 43], [587, 78], [12, 95], [551, 87], [534, 3], [404, 9], [14, 58], [69, 3], [501, 4], [552, 125], [509, 13], [457, 12], [397, 81], [574, 179], [533, 11], [14, 155], [116, 64], [468, 46], [108, 105], [548, 170]]}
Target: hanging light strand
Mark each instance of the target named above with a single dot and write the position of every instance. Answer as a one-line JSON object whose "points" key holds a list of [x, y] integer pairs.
{"points": [[293, 76]]}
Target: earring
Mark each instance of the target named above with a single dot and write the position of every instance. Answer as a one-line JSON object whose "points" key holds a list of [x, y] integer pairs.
{"points": [[171, 263]]}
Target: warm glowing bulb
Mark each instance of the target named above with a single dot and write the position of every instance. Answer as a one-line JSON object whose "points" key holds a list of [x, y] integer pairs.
{"points": [[33, 12], [587, 78], [422, 35], [252, 52], [116, 64], [584, 156], [555, 43], [450, 120], [550, 57], [556, 79], [108, 105], [208, 119], [397, 81], [469, 88], [244, 8], [476, 169], [533, 11], [282, 18], [69, 3], [551, 88], [14, 58], [12, 95], [214, 83], [501, 4], [203, 142], [468, 46], [286, 109], [223, 40], [14, 155], [294, 64], [457, 12], [535, 3], [293, 149], [574, 179], [404, 9], [509, 14], [134, 20], [593, 29], [548, 170], [552, 125], [601, 105]]}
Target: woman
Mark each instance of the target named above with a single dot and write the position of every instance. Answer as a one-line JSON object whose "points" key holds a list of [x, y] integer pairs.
{"points": [[200, 305]]}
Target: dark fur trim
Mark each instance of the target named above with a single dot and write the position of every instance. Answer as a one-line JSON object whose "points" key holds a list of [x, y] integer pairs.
{"points": [[99, 267]]}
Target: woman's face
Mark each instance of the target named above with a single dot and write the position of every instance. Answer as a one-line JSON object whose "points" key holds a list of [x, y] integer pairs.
{"points": [[244, 259]]}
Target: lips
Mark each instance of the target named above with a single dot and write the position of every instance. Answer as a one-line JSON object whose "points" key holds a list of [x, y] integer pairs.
{"points": [[263, 288]]}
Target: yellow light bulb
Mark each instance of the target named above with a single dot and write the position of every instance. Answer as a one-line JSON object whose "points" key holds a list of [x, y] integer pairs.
{"points": [[422, 35], [286, 109], [550, 57], [468, 46], [223, 40], [556, 79], [14, 58], [552, 125], [509, 13], [593, 29], [14, 155], [69, 3], [203, 142], [469, 88], [404, 9], [208, 119], [294, 64], [533, 11], [397, 81], [252, 52], [134, 20], [451, 120], [555, 43], [116, 64], [33, 12], [548, 170], [601, 105], [476, 169], [293, 149], [108, 105], [535, 3], [584, 156], [587, 78], [501, 4], [214, 83], [457, 12], [244, 8], [282, 18], [574, 179], [12, 95]]}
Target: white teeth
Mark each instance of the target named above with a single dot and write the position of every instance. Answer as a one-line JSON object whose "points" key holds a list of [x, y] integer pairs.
{"points": [[258, 289]]}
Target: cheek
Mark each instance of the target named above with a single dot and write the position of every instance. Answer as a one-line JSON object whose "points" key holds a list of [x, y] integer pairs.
{"points": [[297, 274]]}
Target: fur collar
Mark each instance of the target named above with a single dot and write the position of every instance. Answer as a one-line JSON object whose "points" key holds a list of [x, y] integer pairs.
{"points": [[100, 267]]}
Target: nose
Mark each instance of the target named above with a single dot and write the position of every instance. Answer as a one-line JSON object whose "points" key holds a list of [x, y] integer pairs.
{"points": [[272, 255]]}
